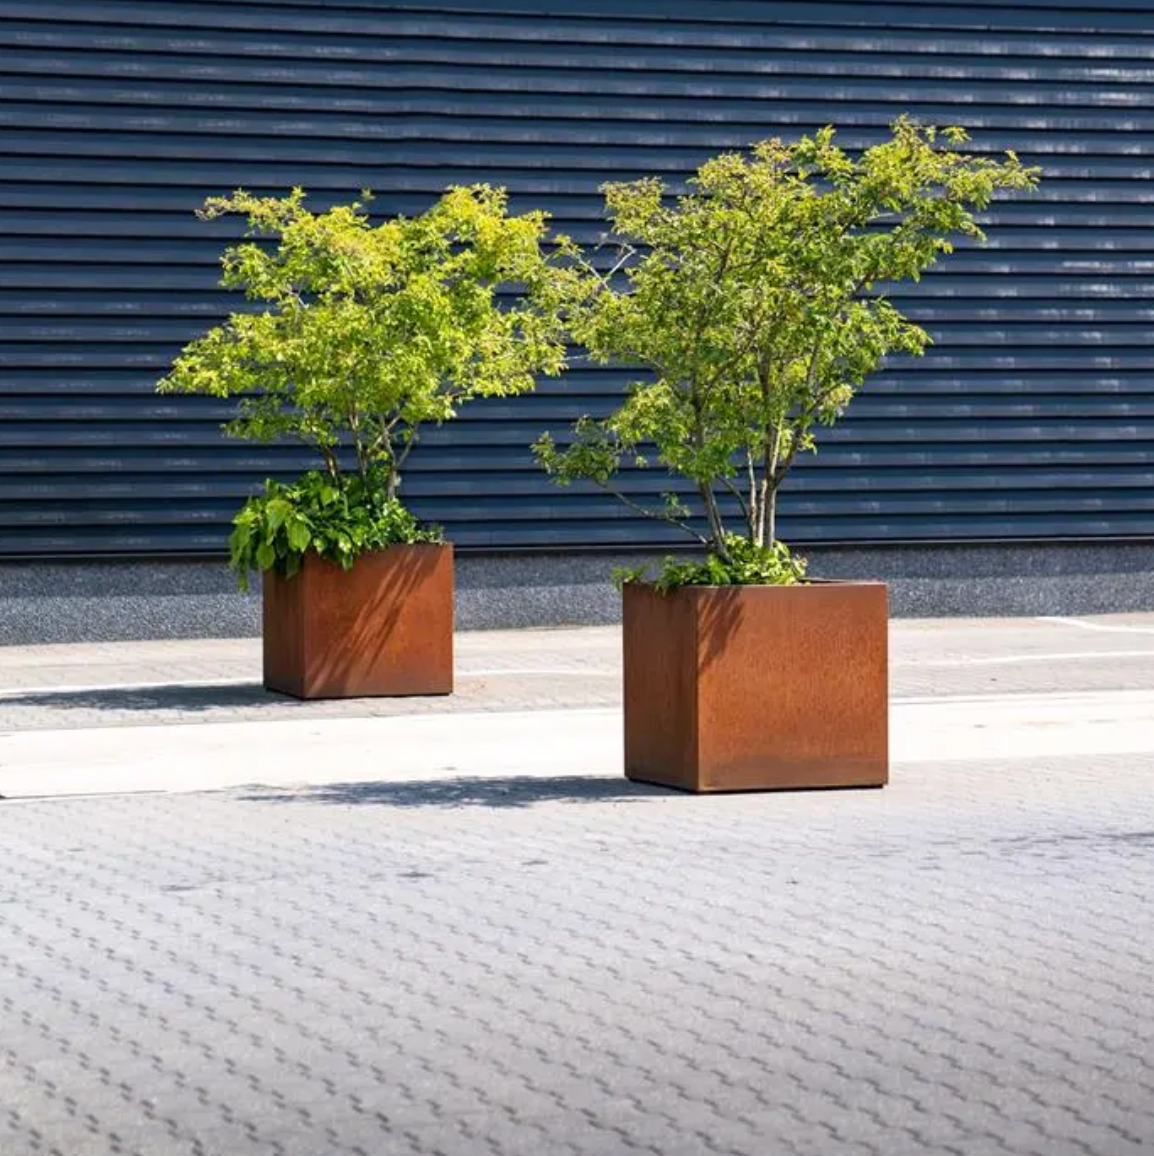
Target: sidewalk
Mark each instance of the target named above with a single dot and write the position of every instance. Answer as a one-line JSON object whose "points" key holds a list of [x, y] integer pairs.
{"points": [[539, 703], [451, 927]]}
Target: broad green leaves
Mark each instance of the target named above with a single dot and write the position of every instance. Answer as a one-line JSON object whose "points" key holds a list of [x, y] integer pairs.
{"points": [[747, 564], [276, 528], [755, 304]]}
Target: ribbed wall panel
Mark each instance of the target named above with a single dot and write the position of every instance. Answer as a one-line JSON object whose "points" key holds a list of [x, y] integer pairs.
{"points": [[1031, 417]]}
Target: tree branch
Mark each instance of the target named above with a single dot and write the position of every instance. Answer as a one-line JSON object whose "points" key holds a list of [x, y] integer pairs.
{"points": [[396, 461], [742, 503], [655, 515], [627, 251], [330, 459]]}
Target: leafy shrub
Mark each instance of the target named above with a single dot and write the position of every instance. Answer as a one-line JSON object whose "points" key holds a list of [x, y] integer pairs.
{"points": [[340, 522], [757, 304], [745, 564], [368, 331]]}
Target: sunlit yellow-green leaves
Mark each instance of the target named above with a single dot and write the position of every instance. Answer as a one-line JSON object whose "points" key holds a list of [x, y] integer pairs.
{"points": [[367, 329], [756, 302]]}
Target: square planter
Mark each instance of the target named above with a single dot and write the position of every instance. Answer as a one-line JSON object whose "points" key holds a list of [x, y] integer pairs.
{"points": [[746, 688], [385, 627]]}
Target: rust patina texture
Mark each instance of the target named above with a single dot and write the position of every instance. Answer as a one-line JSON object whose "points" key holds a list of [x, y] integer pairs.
{"points": [[746, 688], [385, 627]]}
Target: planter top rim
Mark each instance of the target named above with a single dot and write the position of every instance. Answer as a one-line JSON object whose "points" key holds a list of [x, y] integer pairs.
{"points": [[311, 553], [768, 585]]}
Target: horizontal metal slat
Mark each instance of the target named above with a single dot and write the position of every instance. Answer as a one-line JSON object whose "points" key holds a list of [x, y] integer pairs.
{"points": [[517, 436], [622, 535], [512, 45], [462, 512], [117, 131], [807, 479], [484, 160], [222, 459], [753, 117], [448, 77], [364, 16]]}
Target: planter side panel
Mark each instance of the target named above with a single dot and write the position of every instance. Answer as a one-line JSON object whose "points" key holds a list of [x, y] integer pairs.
{"points": [[658, 638], [385, 627], [793, 686], [282, 634]]}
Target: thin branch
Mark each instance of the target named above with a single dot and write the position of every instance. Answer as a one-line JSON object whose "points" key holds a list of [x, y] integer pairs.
{"points": [[782, 468], [627, 252], [744, 505], [656, 515], [400, 459], [397, 460]]}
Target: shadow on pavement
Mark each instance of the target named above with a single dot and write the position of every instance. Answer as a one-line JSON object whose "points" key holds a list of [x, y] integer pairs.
{"points": [[519, 791], [175, 697]]}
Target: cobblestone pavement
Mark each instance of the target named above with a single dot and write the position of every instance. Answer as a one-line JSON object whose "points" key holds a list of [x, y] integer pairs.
{"points": [[962, 963]]}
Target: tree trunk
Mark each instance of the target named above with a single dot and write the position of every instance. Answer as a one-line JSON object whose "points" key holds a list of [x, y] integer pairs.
{"points": [[354, 425], [331, 463], [753, 520], [768, 503], [713, 516]]}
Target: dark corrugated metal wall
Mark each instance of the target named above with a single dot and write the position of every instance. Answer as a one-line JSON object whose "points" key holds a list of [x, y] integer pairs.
{"points": [[1032, 416]]}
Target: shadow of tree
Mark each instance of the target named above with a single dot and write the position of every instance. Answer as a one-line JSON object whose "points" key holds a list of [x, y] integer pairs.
{"points": [[176, 697], [516, 791]]}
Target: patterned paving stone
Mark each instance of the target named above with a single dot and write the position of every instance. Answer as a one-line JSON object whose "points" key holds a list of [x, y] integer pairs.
{"points": [[960, 964]]}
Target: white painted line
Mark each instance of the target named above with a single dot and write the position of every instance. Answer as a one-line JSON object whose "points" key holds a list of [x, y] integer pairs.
{"points": [[1103, 627], [1011, 659], [1012, 698]]}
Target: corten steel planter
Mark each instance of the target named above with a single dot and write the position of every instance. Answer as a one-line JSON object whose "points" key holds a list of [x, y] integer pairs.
{"points": [[746, 688], [385, 627]]}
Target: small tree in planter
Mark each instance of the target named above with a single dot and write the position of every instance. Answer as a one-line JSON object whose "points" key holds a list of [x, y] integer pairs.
{"points": [[368, 332], [754, 303]]}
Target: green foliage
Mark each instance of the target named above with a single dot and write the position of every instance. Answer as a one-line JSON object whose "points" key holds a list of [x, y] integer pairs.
{"points": [[757, 303], [365, 331], [745, 563], [338, 520]]}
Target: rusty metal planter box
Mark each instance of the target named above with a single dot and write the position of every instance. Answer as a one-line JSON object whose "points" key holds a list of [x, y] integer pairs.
{"points": [[385, 627], [745, 688]]}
